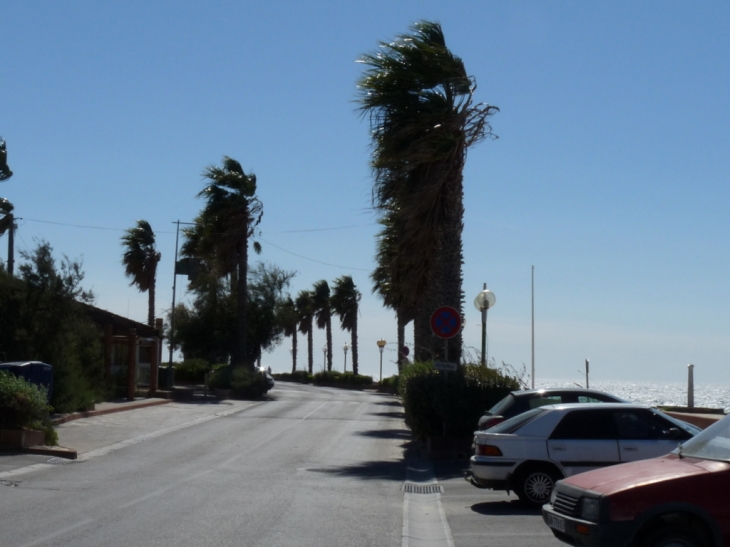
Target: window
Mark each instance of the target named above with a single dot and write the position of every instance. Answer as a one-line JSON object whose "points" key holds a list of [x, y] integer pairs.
{"points": [[548, 400], [585, 424]]}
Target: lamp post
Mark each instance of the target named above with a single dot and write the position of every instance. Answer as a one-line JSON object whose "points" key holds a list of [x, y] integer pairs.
{"points": [[484, 300], [324, 357], [346, 347], [381, 346]]}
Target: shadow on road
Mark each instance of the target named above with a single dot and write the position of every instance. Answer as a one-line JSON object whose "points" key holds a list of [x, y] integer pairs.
{"points": [[388, 470], [387, 434], [389, 403], [396, 415], [503, 508]]}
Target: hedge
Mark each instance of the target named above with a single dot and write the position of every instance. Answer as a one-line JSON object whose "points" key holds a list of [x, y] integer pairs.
{"points": [[439, 404]]}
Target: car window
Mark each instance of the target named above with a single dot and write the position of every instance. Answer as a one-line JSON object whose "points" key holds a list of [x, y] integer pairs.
{"points": [[514, 423], [502, 405], [547, 400], [637, 424], [585, 424], [589, 399], [712, 444]]}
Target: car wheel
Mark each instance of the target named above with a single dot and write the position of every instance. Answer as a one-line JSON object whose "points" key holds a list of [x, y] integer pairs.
{"points": [[673, 536], [535, 485]]}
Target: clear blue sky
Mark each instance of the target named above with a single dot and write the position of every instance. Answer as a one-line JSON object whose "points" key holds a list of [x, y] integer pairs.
{"points": [[609, 175]]}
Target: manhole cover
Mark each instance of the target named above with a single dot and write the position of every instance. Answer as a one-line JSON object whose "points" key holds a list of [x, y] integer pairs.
{"points": [[423, 489]]}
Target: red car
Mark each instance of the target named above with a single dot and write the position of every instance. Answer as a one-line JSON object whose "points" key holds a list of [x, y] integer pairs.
{"points": [[678, 500]]}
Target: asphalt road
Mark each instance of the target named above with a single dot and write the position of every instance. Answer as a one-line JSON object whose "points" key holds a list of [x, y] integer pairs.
{"points": [[310, 466]]}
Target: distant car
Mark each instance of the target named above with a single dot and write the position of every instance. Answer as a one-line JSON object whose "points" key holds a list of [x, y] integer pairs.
{"points": [[521, 401], [680, 499], [529, 452], [267, 373]]}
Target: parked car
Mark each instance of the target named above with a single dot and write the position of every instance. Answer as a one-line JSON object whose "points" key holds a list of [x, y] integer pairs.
{"points": [[521, 401], [680, 499], [529, 452]]}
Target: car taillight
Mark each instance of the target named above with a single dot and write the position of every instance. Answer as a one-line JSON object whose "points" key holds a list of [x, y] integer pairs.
{"points": [[488, 450]]}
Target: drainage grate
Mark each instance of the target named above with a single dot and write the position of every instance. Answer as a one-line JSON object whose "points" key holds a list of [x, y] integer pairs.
{"points": [[59, 461], [423, 489], [11, 484]]}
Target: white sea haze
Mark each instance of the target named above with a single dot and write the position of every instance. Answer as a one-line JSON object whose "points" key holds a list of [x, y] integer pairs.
{"points": [[654, 393]]}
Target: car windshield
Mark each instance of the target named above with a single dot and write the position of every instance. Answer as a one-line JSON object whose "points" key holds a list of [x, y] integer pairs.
{"points": [[515, 422], [712, 444]]}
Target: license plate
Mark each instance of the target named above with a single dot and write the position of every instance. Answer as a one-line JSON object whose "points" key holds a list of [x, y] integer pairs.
{"points": [[556, 522]]}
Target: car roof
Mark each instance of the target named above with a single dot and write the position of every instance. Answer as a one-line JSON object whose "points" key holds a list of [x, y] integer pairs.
{"points": [[556, 390], [598, 406]]}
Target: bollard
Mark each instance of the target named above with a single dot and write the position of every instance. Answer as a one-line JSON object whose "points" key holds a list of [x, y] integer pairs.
{"points": [[690, 386]]}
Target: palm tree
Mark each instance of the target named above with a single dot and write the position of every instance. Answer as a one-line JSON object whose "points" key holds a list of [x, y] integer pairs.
{"points": [[345, 302], [323, 314], [5, 172], [386, 281], [289, 320], [222, 231], [6, 209], [140, 261], [418, 97], [305, 312]]}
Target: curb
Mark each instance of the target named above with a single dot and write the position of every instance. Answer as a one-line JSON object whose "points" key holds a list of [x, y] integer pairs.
{"points": [[56, 451], [90, 413]]}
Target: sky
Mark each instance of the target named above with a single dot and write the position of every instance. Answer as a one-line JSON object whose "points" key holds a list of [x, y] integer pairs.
{"points": [[608, 176]]}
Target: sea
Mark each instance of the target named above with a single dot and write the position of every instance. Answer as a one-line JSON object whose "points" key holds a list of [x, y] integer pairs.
{"points": [[655, 393]]}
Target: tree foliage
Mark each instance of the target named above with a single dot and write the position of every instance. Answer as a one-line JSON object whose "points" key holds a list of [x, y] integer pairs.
{"points": [[43, 318], [140, 261]]}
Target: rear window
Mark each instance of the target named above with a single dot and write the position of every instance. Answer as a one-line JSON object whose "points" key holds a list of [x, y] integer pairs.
{"points": [[502, 405], [515, 422]]}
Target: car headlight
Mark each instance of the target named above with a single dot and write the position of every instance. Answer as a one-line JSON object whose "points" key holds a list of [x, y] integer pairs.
{"points": [[589, 509], [553, 496]]}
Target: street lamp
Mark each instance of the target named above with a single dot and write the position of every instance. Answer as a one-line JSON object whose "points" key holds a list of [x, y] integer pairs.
{"points": [[324, 357], [381, 346], [483, 302], [346, 347]]}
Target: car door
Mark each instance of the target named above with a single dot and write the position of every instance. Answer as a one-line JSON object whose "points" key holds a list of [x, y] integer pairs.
{"points": [[642, 434], [584, 439]]}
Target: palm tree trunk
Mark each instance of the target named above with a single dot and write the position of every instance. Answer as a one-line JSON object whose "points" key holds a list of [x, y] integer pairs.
{"points": [[328, 330], [294, 351], [151, 303], [401, 339], [241, 301], [353, 343], [310, 349]]}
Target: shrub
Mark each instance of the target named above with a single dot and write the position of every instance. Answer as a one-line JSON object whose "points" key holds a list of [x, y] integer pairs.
{"points": [[192, 371], [336, 378], [390, 384], [23, 405], [300, 376], [450, 404], [243, 383]]}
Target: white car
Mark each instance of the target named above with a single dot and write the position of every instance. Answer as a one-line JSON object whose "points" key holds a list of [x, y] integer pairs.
{"points": [[529, 452]]}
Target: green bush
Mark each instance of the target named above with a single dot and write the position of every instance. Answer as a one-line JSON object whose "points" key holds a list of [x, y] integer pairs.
{"points": [[192, 371], [300, 376], [23, 405], [243, 383], [390, 384], [336, 378], [450, 404]]}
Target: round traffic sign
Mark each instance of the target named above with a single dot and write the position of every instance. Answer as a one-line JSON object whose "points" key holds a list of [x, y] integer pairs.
{"points": [[446, 322]]}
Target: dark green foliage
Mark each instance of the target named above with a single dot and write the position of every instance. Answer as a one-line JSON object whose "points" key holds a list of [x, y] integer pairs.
{"points": [[450, 404], [23, 405], [192, 371], [336, 378], [299, 376], [43, 319], [390, 384], [243, 383]]}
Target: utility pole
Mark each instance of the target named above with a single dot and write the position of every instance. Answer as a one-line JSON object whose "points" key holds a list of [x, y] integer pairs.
{"points": [[11, 244]]}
